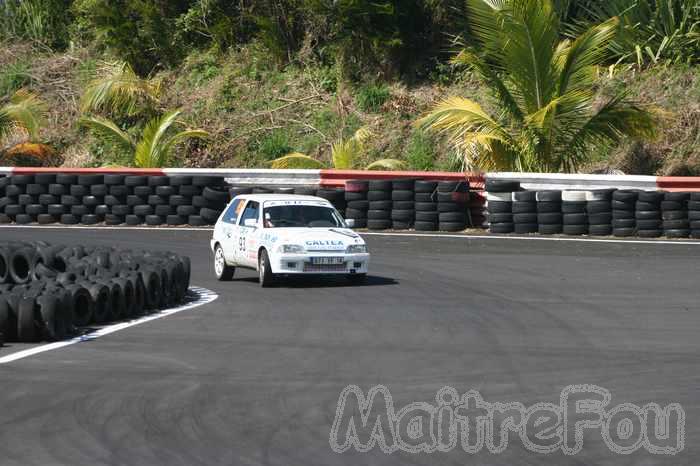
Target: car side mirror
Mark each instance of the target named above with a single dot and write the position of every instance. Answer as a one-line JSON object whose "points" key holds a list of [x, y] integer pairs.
{"points": [[250, 222], [350, 222]]}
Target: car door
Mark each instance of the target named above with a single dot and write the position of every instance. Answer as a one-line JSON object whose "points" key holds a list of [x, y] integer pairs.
{"points": [[229, 229], [247, 234]]}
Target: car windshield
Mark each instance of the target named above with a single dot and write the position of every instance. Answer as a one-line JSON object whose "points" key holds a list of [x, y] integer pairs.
{"points": [[302, 216]]}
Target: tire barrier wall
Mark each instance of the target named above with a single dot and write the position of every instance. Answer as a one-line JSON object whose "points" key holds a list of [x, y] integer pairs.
{"points": [[597, 212], [50, 292]]}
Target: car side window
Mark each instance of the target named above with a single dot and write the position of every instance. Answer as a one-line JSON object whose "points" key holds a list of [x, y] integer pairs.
{"points": [[251, 211], [231, 215]]}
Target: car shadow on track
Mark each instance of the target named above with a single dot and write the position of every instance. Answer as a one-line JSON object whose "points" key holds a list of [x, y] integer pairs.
{"points": [[324, 282]]}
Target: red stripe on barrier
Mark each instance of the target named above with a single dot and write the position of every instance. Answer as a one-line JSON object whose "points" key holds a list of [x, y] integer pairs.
{"points": [[678, 183], [85, 171], [337, 178]]}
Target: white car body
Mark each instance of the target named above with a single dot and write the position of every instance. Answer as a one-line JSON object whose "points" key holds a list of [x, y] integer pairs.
{"points": [[243, 233]]}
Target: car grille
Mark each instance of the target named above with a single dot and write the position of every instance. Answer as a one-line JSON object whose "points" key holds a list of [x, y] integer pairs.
{"points": [[324, 268]]}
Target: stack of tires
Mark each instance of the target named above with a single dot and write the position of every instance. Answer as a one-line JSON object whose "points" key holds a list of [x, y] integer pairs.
{"points": [[81, 198], [380, 205], [426, 205], [599, 208], [334, 196], [525, 212], [694, 215], [47, 292], [549, 215], [403, 204], [499, 199], [453, 205], [674, 214], [648, 214], [574, 216], [623, 206], [356, 203]]}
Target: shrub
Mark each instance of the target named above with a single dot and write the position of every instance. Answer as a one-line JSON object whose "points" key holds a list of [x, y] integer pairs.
{"points": [[14, 77], [420, 152], [371, 98]]}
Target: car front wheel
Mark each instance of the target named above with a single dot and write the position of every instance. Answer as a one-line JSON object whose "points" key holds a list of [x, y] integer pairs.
{"points": [[223, 271], [265, 275]]}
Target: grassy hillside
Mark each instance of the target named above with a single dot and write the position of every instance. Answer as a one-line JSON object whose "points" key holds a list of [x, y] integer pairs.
{"points": [[256, 110]]}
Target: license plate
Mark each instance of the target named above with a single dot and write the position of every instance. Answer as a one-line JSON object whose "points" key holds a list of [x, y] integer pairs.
{"points": [[327, 260]]}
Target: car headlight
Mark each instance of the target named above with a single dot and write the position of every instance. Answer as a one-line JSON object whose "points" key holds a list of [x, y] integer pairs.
{"points": [[356, 249], [291, 249]]}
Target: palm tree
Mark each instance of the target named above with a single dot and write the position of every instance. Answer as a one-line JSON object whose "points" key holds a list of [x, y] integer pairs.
{"points": [[118, 90], [155, 145], [24, 112], [344, 154], [548, 118]]}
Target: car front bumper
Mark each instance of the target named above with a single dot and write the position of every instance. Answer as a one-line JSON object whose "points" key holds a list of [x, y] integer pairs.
{"points": [[302, 264]]}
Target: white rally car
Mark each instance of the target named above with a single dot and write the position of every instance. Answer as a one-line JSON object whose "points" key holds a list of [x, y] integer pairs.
{"points": [[280, 234]]}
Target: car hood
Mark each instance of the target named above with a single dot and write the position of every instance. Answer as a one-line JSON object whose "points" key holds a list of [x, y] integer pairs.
{"points": [[317, 239]]}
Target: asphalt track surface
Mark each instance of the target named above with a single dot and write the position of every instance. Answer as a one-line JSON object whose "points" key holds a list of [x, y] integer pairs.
{"points": [[254, 377]]}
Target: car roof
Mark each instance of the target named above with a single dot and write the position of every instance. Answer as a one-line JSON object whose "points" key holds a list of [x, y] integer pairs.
{"points": [[280, 197]]}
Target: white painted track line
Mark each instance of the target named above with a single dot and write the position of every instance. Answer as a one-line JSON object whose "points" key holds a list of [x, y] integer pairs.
{"points": [[201, 296], [371, 233]]}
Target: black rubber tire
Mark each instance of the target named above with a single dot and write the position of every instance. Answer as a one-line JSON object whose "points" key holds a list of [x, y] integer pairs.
{"points": [[48, 199], [403, 205], [603, 218], [626, 195], [498, 207], [355, 214], [648, 224], [639, 205], [547, 229], [164, 210], [154, 220], [143, 210], [209, 215], [54, 325], [402, 196], [525, 228], [398, 225], [568, 207], [121, 209], [376, 224], [355, 196], [624, 232], [379, 185], [674, 215], [57, 189], [677, 233], [575, 219], [451, 226], [425, 226], [425, 186], [519, 207], [190, 190], [493, 218], [186, 210], [132, 200], [21, 261], [204, 180], [35, 209], [378, 195], [600, 230], [551, 218], [134, 220], [44, 178], [114, 220], [69, 219], [180, 180], [380, 205], [553, 196], [135, 180], [92, 201], [425, 197], [22, 179], [69, 200], [358, 205], [575, 230], [427, 217], [425, 206], [265, 276], [525, 218], [218, 197], [654, 197], [24, 219], [27, 329], [36, 189], [46, 219], [675, 224], [402, 215], [378, 214], [620, 224], [502, 228], [102, 209], [90, 219], [650, 233], [175, 220], [622, 205], [26, 199], [157, 200], [457, 207], [549, 207], [457, 217], [178, 200], [647, 215], [623, 214], [196, 221], [111, 200], [356, 186], [80, 210], [90, 179], [597, 207], [8, 320], [99, 190]]}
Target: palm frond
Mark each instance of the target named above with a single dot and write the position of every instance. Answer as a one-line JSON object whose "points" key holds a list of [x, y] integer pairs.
{"points": [[296, 160], [181, 137], [109, 130], [150, 151], [119, 90], [344, 153], [387, 164], [26, 111]]}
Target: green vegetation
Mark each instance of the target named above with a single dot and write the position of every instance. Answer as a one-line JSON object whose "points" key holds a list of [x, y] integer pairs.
{"points": [[546, 119], [24, 112], [269, 78]]}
